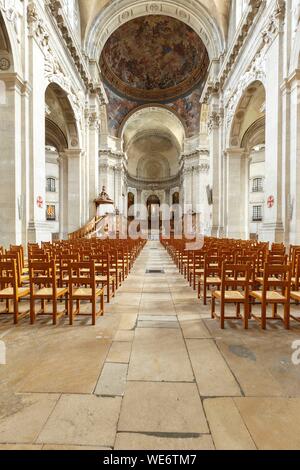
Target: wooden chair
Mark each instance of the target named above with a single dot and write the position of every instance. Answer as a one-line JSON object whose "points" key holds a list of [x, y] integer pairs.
{"points": [[8, 256], [44, 287], [276, 288], [211, 276], [234, 290], [103, 275], [197, 269], [10, 288], [295, 285], [82, 287]]}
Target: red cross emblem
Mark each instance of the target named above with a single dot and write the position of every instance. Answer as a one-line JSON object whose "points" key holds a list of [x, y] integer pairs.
{"points": [[40, 202], [270, 202]]}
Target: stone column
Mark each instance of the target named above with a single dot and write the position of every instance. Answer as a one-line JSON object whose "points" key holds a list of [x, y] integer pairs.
{"points": [[75, 220], [63, 197], [187, 189], [38, 39], [215, 173], [103, 171], [272, 228], [294, 175], [287, 196], [11, 165], [202, 202], [93, 145], [236, 194]]}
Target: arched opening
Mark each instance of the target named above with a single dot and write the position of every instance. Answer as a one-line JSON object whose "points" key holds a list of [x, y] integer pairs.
{"points": [[63, 185], [130, 205], [153, 208], [246, 165]]}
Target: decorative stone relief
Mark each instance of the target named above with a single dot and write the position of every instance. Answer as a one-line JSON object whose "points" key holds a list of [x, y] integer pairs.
{"points": [[36, 25], [9, 9], [214, 120], [255, 72], [275, 22]]}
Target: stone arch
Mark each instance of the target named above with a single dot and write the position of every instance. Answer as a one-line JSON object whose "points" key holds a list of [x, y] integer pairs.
{"points": [[254, 135], [147, 107], [55, 136], [10, 33], [240, 113], [153, 166], [66, 121], [194, 15]]}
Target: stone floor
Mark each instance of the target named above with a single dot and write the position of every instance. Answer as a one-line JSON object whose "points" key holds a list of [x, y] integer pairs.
{"points": [[155, 373]]}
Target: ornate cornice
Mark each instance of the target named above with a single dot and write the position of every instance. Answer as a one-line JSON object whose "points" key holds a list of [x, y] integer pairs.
{"points": [[57, 13], [144, 184], [215, 85], [275, 22]]}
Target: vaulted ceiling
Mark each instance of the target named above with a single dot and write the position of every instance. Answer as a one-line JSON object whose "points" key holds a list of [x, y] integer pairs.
{"points": [[89, 10]]}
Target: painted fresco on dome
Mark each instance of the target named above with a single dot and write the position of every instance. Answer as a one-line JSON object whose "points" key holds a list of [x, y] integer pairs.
{"points": [[154, 58], [117, 110], [189, 110]]}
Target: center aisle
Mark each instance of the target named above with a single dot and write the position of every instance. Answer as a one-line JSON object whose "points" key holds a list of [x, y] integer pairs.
{"points": [[150, 360]]}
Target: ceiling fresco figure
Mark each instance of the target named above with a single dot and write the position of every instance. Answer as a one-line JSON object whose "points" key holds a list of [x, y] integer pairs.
{"points": [[158, 60]]}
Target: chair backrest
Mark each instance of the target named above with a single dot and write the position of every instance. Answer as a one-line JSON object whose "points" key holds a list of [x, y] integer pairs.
{"points": [[10, 256], [82, 274], [277, 259], [277, 277], [235, 276], [8, 275], [212, 266], [18, 249], [296, 271], [39, 256], [102, 263], [43, 274]]}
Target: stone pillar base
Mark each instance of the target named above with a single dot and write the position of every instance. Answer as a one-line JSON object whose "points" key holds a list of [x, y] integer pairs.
{"points": [[39, 232], [272, 233]]}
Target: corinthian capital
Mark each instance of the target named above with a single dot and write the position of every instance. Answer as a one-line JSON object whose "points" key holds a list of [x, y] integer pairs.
{"points": [[214, 121]]}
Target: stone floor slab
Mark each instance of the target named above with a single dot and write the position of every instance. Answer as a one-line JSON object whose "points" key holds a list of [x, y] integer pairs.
{"points": [[162, 407], [119, 352], [22, 416], [274, 424], [213, 376], [112, 381], [228, 429], [159, 354], [85, 420]]}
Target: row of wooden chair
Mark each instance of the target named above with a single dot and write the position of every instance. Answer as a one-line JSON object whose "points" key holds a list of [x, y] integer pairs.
{"points": [[64, 272], [241, 273]]}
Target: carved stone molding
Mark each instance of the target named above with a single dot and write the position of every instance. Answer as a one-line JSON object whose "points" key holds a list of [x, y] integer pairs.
{"points": [[57, 13], [94, 120], [256, 71], [12, 15], [275, 22], [36, 25], [214, 121]]}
